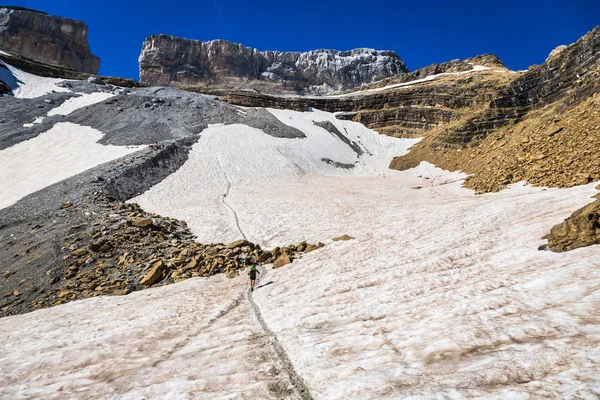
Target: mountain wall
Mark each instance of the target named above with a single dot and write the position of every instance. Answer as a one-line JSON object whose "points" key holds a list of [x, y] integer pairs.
{"points": [[168, 60], [47, 39]]}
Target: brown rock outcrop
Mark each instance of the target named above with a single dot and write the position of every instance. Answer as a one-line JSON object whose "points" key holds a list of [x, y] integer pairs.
{"points": [[48, 39], [581, 229]]}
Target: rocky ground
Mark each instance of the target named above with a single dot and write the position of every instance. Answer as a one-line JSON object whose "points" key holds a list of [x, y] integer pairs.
{"points": [[114, 248]]}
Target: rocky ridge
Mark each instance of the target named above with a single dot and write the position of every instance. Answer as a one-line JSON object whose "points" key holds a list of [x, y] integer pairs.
{"points": [[40, 37], [168, 60]]}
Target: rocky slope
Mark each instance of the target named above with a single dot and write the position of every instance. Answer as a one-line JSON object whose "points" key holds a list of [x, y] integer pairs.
{"points": [[47, 39], [581, 229], [168, 60], [554, 141]]}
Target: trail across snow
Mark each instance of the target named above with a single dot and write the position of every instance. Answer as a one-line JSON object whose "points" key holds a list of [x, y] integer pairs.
{"points": [[442, 294]]}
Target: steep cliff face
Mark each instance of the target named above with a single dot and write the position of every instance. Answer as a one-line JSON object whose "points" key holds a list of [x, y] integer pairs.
{"points": [[47, 39], [168, 60]]}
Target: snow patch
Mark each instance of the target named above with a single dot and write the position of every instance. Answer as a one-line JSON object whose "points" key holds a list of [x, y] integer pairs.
{"points": [[27, 86], [84, 100], [59, 153]]}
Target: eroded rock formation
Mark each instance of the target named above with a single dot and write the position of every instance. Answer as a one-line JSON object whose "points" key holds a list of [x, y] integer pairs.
{"points": [[168, 60], [47, 39], [581, 229]]}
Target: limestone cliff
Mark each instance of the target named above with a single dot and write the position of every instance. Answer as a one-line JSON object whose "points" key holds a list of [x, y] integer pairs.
{"points": [[168, 60], [47, 39]]}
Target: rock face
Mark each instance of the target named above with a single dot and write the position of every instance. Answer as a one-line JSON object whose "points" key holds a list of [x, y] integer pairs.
{"points": [[48, 39], [168, 60], [581, 229]]}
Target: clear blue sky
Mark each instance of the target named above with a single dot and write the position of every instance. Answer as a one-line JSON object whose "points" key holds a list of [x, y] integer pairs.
{"points": [[422, 32]]}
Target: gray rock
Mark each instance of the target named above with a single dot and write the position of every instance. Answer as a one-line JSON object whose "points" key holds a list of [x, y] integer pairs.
{"points": [[167, 60], [48, 39]]}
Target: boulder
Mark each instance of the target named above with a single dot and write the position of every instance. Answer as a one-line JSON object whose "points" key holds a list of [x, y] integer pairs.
{"points": [[282, 260], [302, 247], [239, 243], [581, 229], [140, 222], [154, 273]]}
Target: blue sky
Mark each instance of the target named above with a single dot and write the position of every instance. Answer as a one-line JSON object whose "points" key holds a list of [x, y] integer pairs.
{"points": [[422, 32]]}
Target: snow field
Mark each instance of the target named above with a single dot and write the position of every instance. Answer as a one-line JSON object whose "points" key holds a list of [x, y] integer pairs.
{"points": [[441, 294], [28, 86], [59, 153], [184, 341], [236, 162]]}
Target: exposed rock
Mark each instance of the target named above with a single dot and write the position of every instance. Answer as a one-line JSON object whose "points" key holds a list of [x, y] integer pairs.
{"points": [[581, 229], [96, 80], [51, 40], [167, 60], [240, 243], [311, 247], [155, 273], [140, 222], [282, 260], [554, 53], [343, 237], [4, 88], [66, 204]]}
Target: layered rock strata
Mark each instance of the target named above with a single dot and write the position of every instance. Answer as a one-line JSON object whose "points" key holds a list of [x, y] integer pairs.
{"points": [[168, 60], [47, 39]]}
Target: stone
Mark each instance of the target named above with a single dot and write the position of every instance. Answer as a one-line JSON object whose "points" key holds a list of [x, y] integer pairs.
{"points": [[343, 237], [581, 229], [302, 247], [232, 274], [239, 243], [16, 293], [66, 204], [37, 36], [80, 252], [282, 260], [311, 247], [154, 274], [140, 222], [597, 187]]}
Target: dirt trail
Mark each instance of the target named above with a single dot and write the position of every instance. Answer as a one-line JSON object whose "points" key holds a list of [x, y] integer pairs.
{"points": [[270, 338]]}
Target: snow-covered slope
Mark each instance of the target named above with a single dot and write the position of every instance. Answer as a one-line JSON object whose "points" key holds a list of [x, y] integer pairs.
{"points": [[442, 294], [63, 151], [26, 85]]}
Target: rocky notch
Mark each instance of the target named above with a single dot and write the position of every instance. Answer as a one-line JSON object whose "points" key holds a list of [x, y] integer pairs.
{"points": [[47, 39], [168, 60]]}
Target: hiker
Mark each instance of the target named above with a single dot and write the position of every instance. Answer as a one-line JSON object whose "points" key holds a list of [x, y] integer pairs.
{"points": [[252, 274]]}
